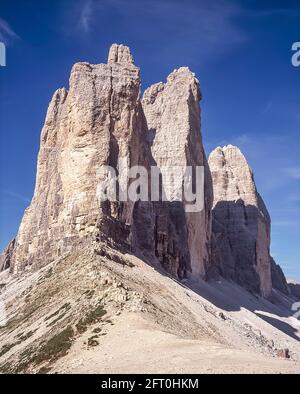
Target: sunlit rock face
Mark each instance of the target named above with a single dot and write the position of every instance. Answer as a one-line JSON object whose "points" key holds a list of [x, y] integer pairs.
{"points": [[98, 121], [241, 223]]}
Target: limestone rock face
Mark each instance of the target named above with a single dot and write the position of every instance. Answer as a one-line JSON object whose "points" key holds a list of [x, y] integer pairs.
{"points": [[119, 54], [241, 223], [99, 121], [294, 289], [173, 117], [6, 256], [279, 281]]}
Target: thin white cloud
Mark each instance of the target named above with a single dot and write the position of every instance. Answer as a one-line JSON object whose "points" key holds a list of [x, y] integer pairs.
{"points": [[293, 197], [241, 140], [293, 173], [86, 15], [268, 107], [276, 11], [196, 31], [16, 195], [285, 223], [6, 32]]}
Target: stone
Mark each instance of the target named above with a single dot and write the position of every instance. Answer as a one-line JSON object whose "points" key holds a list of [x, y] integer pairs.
{"points": [[283, 353], [173, 118], [241, 223], [222, 316]]}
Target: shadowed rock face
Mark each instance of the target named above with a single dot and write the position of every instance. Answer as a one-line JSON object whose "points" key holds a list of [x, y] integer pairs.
{"points": [[294, 289], [173, 117], [241, 223], [279, 281]]}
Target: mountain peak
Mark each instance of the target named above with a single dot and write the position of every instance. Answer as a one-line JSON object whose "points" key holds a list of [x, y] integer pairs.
{"points": [[119, 53]]}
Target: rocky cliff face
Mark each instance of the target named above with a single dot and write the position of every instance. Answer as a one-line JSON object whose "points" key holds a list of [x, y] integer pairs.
{"points": [[294, 289], [173, 117], [241, 223], [98, 122]]}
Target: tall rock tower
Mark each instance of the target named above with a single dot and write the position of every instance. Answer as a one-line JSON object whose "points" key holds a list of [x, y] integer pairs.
{"points": [[173, 116], [241, 223], [99, 121]]}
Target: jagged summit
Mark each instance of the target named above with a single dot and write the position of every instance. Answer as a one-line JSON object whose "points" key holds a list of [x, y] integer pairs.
{"points": [[183, 73], [119, 54], [229, 152], [96, 122], [229, 146]]}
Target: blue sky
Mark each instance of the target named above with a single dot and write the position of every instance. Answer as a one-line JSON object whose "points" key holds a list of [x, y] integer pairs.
{"points": [[240, 51]]}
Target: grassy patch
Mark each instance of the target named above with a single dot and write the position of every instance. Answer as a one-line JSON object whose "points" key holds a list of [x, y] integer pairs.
{"points": [[6, 348], [57, 319], [49, 273], [6, 368], [65, 307], [56, 347], [44, 370], [24, 337], [91, 318], [50, 351], [92, 342], [89, 294]]}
